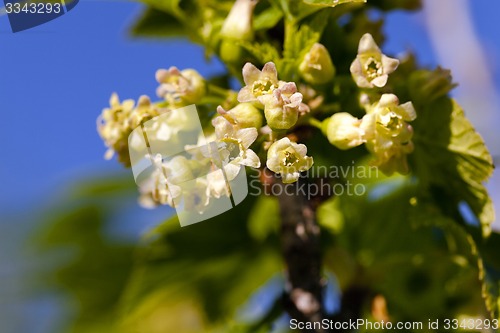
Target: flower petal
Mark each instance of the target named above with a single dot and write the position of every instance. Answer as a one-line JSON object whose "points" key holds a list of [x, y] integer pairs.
{"points": [[389, 65], [358, 75], [409, 113], [247, 136], [380, 81], [232, 170], [300, 148], [367, 45], [269, 72], [245, 95], [288, 178], [250, 73]]}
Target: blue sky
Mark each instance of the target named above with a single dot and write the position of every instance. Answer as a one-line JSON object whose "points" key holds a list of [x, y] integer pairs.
{"points": [[54, 81], [56, 78]]}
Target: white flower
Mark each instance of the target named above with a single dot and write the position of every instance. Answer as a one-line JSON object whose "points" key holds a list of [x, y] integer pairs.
{"points": [[157, 189], [258, 83], [288, 159], [234, 146], [371, 68], [180, 87], [112, 126], [388, 134], [116, 123], [217, 184], [282, 103], [238, 24]]}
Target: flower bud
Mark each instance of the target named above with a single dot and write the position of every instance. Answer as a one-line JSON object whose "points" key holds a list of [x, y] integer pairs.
{"points": [[238, 24], [283, 106], [179, 170], [343, 131], [279, 118], [244, 115], [317, 66], [180, 87], [388, 134]]}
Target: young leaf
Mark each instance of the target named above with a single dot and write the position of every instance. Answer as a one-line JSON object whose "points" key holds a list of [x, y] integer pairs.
{"points": [[451, 155], [264, 51], [267, 19], [299, 40], [156, 23], [469, 245]]}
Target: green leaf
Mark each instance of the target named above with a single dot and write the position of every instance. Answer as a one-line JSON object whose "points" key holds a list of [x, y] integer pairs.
{"points": [[383, 250], [216, 264], [450, 155], [157, 23], [430, 85], [489, 265], [299, 40], [82, 259], [467, 242], [267, 19], [169, 6], [330, 3], [264, 218]]}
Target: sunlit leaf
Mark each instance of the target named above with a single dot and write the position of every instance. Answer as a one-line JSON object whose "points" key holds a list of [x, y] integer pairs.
{"points": [[450, 154]]}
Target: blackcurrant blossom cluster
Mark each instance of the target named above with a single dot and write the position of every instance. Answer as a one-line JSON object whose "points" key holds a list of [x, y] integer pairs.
{"points": [[385, 129], [115, 123], [265, 107], [282, 104]]}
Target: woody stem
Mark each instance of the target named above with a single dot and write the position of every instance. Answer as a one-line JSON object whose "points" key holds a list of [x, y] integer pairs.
{"points": [[300, 238]]}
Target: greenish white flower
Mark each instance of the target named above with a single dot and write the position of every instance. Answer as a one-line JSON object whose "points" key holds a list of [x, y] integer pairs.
{"points": [[317, 66], [112, 125], [234, 146], [180, 87], [144, 111], [258, 83], [157, 189], [388, 134], [179, 170], [217, 185], [343, 131], [116, 123], [282, 103], [288, 159], [371, 68]]}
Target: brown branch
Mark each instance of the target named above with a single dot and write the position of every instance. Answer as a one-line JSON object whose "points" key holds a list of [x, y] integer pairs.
{"points": [[300, 238]]}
